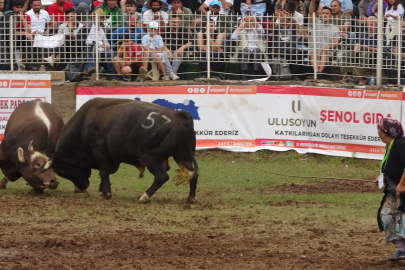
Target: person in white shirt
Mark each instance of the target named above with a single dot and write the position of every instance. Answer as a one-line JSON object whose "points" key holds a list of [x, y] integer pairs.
{"points": [[39, 18], [297, 18], [155, 13], [225, 6], [103, 46], [393, 13]]}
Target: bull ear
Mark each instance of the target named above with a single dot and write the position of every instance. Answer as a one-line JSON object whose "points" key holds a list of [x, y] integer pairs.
{"points": [[31, 148], [20, 152]]}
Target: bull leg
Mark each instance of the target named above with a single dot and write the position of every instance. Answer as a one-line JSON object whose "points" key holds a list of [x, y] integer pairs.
{"points": [[3, 183], [166, 165], [161, 176], [193, 183]]}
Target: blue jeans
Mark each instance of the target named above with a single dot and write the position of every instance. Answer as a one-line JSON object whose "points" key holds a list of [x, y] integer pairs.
{"points": [[104, 56]]}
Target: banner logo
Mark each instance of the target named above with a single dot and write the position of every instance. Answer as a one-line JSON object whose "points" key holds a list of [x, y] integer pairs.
{"points": [[298, 106]]}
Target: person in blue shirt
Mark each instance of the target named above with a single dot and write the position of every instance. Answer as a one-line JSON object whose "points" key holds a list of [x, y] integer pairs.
{"points": [[136, 32], [347, 6]]}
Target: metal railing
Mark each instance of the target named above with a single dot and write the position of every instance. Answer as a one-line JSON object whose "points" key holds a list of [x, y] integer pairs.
{"points": [[224, 46]]}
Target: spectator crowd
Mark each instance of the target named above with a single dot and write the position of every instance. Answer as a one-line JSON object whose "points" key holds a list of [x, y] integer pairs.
{"points": [[125, 38]]}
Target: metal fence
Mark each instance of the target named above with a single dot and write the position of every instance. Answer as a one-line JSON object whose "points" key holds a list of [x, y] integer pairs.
{"points": [[224, 46]]}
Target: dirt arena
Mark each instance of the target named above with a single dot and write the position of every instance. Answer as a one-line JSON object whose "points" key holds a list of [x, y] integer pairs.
{"points": [[70, 231]]}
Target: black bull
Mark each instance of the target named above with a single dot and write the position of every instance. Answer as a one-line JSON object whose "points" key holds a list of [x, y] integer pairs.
{"points": [[106, 132]]}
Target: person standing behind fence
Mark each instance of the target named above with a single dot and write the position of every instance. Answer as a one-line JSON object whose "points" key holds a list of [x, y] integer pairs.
{"points": [[393, 13], [251, 45], [23, 34], [177, 40], [326, 36], [103, 46], [224, 6], [57, 12], [392, 174], [114, 17], [39, 18], [155, 13], [178, 9], [215, 50], [155, 50]]}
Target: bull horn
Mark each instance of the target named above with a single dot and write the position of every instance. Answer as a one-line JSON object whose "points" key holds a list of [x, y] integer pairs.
{"points": [[47, 166], [31, 148]]}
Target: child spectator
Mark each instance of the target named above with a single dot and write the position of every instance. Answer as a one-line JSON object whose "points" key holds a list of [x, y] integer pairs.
{"points": [[155, 50], [129, 59]]}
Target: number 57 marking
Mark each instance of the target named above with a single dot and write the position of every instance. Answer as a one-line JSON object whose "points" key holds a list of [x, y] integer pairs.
{"points": [[152, 120]]}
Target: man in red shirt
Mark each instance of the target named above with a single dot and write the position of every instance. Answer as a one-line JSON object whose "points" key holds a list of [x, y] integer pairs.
{"points": [[23, 35], [57, 11]]}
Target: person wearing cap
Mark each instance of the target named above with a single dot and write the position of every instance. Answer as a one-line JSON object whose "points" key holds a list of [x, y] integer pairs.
{"points": [[145, 7], [9, 4], [23, 34], [155, 50], [155, 13], [114, 16], [179, 10], [222, 23], [327, 38], [103, 45], [224, 6], [392, 178]]}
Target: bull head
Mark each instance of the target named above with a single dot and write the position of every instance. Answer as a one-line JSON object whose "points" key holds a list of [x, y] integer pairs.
{"points": [[35, 169]]}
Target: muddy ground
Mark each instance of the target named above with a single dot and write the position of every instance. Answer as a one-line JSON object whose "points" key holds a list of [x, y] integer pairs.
{"points": [[88, 241]]}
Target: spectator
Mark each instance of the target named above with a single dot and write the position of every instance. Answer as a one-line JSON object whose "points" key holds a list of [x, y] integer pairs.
{"points": [[95, 4], [225, 6], [74, 41], [57, 11], [327, 37], [155, 50], [39, 18], [373, 8], [222, 23], [129, 8], [177, 40], [347, 6], [297, 18], [11, 3], [113, 15], [362, 52], [77, 2], [257, 8], [179, 10], [155, 13], [215, 50], [299, 7], [251, 44], [363, 8], [136, 33], [146, 8], [23, 34], [342, 21], [393, 13], [129, 59], [103, 46], [82, 12]]}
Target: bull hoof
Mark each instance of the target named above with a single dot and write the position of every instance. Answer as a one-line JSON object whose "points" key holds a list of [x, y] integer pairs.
{"points": [[77, 190], [3, 183], [106, 196], [144, 199], [37, 191], [191, 200]]}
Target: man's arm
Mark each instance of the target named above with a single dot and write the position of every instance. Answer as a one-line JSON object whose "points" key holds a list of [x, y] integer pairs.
{"points": [[349, 11], [203, 8], [226, 5], [320, 8], [25, 7], [1, 5], [312, 10]]}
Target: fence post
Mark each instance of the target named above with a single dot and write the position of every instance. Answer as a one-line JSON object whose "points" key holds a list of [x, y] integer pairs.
{"points": [[96, 49], [315, 49], [208, 45], [379, 42], [11, 43], [399, 50]]}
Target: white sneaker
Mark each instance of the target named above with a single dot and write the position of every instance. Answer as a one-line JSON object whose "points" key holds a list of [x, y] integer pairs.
{"points": [[50, 60], [166, 77], [174, 77]]}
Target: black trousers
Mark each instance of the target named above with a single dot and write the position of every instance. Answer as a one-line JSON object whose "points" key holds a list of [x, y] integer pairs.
{"points": [[22, 43], [251, 57], [214, 66]]}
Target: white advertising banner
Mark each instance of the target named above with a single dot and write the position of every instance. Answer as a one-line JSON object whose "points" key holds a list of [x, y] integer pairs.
{"points": [[339, 122], [224, 116], [19, 88]]}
